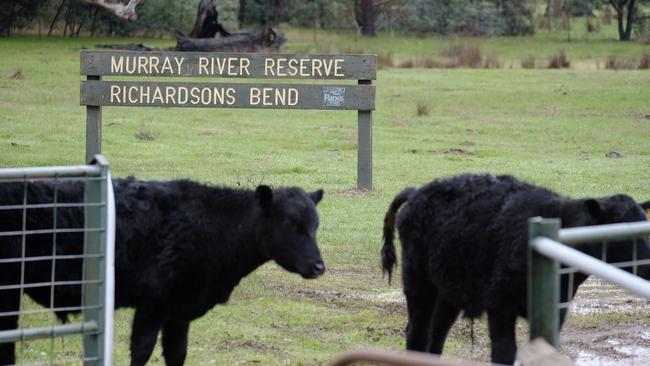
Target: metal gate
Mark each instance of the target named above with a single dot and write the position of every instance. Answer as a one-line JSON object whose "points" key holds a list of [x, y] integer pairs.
{"points": [[56, 257], [549, 246]]}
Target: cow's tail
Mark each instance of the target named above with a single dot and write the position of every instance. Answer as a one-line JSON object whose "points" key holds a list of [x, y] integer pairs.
{"points": [[388, 256]]}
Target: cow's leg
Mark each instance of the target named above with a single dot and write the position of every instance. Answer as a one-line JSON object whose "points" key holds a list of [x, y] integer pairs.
{"points": [[9, 302], [420, 298], [146, 324], [501, 324], [444, 316], [174, 341]]}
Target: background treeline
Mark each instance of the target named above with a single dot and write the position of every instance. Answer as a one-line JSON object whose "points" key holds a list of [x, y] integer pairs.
{"points": [[159, 17]]}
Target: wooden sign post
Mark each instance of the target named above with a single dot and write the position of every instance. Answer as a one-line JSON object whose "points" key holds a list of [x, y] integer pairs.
{"points": [[96, 92]]}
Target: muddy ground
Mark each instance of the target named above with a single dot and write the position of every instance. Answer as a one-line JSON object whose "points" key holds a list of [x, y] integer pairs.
{"points": [[607, 326]]}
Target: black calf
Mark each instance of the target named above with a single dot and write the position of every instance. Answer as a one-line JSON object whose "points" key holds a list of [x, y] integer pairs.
{"points": [[464, 248], [181, 248]]}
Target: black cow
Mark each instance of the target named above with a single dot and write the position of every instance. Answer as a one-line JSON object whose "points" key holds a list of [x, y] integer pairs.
{"points": [[646, 206], [181, 248], [464, 248]]}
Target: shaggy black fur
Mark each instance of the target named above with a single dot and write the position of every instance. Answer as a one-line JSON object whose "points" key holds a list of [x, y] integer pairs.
{"points": [[646, 205], [464, 248], [181, 248]]}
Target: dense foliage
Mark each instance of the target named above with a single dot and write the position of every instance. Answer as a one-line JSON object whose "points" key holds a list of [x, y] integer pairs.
{"points": [[161, 17]]}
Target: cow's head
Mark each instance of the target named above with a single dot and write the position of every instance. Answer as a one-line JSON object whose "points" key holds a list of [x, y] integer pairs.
{"points": [[286, 229], [618, 209]]}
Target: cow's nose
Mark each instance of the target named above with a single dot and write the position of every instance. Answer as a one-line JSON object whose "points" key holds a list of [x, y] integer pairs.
{"points": [[319, 268]]}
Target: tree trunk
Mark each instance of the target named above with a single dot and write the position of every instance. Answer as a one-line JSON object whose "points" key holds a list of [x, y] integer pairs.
{"points": [[368, 28], [241, 16], [276, 10], [11, 18], [207, 22], [67, 19], [81, 23], [630, 19], [56, 17], [623, 7], [93, 23]]}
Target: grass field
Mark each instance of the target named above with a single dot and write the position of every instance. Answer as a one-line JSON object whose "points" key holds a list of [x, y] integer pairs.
{"points": [[556, 128]]}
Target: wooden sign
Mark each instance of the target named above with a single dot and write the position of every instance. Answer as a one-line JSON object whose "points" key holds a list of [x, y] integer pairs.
{"points": [[96, 93], [232, 95], [229, 65]]}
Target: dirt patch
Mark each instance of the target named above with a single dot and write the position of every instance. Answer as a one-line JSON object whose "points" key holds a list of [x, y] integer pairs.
{"points": [[246, 343], [17, 75], [614, 154], [607, 326], [402, 122], [208, 131], [597, 297], [350, 192], [457, 151]]}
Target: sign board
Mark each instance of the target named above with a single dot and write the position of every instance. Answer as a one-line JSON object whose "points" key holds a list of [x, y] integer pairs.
{"points": [[96, 93]]}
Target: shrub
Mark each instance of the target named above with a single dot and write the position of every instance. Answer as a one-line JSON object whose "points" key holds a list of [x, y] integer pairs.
{"points": [[559, 61], [592, 26], [385, 59], [644, 63], [528, 62], [423, 62], [491, 62], [463, 55], [613, 63], [422, 108], [17, 75], [145, 134], [407, 64], [606, 17]]}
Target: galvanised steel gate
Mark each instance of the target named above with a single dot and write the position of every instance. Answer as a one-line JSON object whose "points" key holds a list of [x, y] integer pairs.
{"points": [[57, 247], [549, 245]]}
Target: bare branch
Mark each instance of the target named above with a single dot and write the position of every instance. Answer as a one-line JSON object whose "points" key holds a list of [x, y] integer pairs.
{"points": [[124, 9]]}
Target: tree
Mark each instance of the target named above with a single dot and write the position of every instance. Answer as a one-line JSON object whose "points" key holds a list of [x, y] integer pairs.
{"points": [[15, 13], [368, 18], [207, 22], [627, 13]]}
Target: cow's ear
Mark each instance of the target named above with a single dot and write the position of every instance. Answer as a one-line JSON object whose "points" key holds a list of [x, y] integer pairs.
{"points": [[264, 196], [646, 205], [316, 196], [593, 208]]}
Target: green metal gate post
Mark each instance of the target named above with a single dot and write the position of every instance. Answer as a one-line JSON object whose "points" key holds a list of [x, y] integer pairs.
{"points": [[95, 266], [364, 150], [543, 283]]}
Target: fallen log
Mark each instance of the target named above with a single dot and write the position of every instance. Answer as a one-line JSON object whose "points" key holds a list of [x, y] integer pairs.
{"points": [[132, 47], [259, 40]]}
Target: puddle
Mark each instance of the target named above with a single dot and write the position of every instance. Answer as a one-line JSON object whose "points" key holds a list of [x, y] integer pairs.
{"points": [[391, 297], [622, 355], [596, 296]]}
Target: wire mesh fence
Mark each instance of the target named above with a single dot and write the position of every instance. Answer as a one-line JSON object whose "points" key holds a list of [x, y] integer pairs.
{"points": [[56, 258]]}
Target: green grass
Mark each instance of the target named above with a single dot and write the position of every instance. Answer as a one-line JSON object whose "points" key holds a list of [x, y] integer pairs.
{"points": [[552, 128]]}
